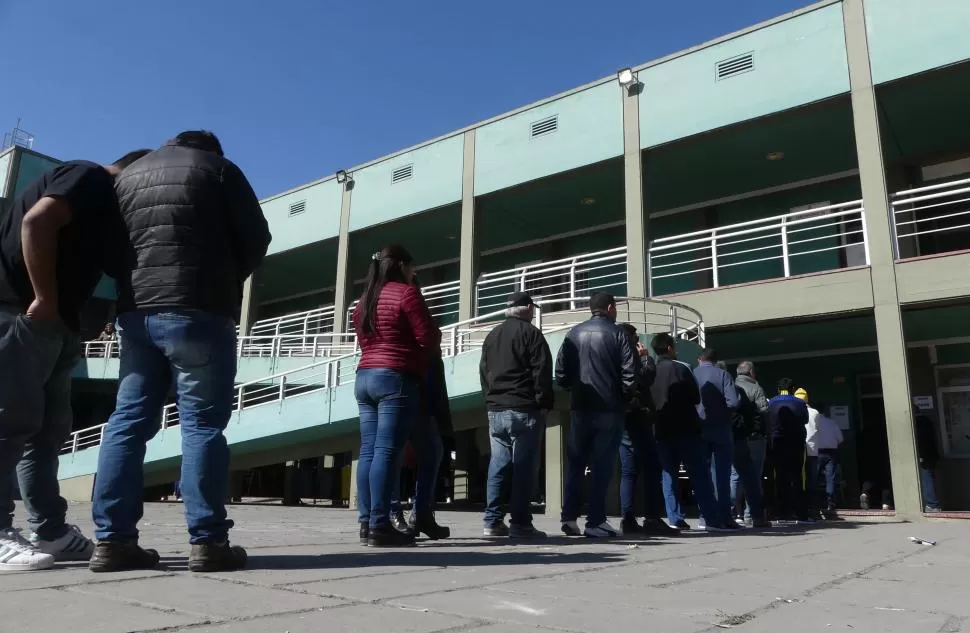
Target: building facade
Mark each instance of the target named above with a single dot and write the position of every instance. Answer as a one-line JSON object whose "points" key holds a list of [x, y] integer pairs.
{"points": [[801, 187]]}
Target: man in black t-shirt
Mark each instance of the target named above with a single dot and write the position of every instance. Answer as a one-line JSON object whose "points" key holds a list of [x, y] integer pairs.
{"points": [[62, 232]]}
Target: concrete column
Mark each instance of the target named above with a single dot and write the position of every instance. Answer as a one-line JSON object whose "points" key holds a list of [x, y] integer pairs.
{"points": [[354, 461], [468, 266], [879, 231], [343, 284], [555, 449], [250, 303], [636, 229]]}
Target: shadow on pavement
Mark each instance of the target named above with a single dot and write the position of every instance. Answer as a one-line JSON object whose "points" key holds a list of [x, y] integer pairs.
{"points": [[429, 557]]}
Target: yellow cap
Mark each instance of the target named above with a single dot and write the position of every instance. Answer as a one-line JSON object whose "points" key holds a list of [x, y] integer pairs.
{"points": [[801, 394]]}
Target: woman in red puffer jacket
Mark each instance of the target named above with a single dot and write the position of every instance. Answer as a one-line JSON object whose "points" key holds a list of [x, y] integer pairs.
{"points": [[398, 340]]}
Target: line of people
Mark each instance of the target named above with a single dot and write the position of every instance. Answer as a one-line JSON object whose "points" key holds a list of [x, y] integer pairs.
{"points": [[656, 415], [180, 229]]}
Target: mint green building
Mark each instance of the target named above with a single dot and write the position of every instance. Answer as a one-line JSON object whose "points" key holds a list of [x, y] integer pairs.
{"points": [[796, 194]]}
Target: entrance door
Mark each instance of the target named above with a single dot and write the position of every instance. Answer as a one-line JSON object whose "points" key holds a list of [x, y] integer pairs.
{"points": [[955, 406], [873, 452]]}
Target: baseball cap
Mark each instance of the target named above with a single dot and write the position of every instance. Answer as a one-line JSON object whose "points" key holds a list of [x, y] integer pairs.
{"points": [[801, 394], [519, 300]]}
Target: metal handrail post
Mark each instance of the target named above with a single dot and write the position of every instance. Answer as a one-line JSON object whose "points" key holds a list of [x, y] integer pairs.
{"points": [[784, 247], [714, 258]]}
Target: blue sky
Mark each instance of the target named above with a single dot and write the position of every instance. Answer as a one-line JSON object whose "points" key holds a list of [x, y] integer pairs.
{"points": [[297, 89]]}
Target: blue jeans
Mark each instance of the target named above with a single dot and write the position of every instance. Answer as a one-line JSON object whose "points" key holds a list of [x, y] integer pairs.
{"points": [[594, 438], [426, 440], [746, 475], [513, 469], [638, 454], [688, 449], [928, 486], [719, 455], [389, 403], [198, 351], [36, 361]]}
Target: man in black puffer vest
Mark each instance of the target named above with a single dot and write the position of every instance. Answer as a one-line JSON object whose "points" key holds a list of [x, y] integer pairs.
{"points": [[196, 233]]}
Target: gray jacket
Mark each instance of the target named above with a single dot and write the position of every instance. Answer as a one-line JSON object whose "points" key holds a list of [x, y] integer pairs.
{"points": [[754, 392], [749, 418]]}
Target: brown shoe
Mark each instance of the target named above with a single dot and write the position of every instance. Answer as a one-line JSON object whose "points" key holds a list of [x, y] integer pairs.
{"points": [[121, 556], [217, 557]]}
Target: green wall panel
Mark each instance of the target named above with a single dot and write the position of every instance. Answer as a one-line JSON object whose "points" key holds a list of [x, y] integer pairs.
{"points": [[435, 181], [31, 167], [590, 129], [907, 37], [5, 161], [320, 219], [797, 61]]}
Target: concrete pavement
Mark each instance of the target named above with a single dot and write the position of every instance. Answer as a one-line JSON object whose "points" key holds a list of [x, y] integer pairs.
{"points": [[308, 574]]}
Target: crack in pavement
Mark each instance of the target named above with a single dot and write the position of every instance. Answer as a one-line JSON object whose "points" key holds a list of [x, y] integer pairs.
{"points": [[819, 588]]}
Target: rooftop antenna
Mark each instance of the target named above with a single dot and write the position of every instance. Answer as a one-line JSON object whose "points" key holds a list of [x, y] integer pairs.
{"points": [[18, 136]]}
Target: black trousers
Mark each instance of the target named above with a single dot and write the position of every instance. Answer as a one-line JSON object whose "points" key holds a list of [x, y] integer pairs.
{"points": [[789, 459]]}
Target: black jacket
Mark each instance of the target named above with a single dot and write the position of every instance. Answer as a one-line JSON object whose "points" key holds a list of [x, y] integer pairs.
{"points": [[646, 373], [516, 368], [598, 366], [675, 396], [196, 232], [437, 396]]}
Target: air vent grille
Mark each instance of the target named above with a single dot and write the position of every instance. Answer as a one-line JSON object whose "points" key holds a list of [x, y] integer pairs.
{"points": [[735, 66], [545, 126], [296, 208], [402, 173]]}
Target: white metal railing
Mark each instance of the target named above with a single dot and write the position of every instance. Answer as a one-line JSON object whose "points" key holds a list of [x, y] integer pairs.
{"points": [[290, 346], [937, 209], [101, 349], [814, 240], [442, 301], [563, 283], [316, 321], [648, 315]]}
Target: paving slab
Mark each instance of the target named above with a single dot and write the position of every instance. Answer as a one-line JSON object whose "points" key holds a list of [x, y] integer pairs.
{"points": [[206, 597], [46, 610], [308, 572], [353, 619]]}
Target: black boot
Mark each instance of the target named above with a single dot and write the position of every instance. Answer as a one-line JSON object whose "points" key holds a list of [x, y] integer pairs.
{"points": [[386, 535], [424, 523], [217, 557], [364, 532], [121, 556], [629, 525], [399, 522]]}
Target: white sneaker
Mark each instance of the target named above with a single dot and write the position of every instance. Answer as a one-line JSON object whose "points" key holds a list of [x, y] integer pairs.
{"points": [[603, 530], [17, 554], [71, 546]]}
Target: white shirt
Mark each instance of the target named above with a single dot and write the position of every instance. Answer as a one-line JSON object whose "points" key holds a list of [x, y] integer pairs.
{"points": [[822, 433]]}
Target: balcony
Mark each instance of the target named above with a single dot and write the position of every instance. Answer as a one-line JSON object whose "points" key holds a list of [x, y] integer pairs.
{"points": [[932, 220], [811, 241]]}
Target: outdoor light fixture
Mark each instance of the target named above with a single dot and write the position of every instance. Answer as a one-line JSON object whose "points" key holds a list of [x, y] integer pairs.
{"points": [[588, 201], [775, 155], [343, 176], [625, 77]]}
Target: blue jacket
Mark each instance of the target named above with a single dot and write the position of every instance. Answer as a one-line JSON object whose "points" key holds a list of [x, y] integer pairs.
{"points": [[719, 396], [787, 418]]}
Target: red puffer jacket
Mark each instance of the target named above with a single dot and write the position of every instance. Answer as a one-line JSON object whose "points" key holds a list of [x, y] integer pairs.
{"points": [[406, 333]]}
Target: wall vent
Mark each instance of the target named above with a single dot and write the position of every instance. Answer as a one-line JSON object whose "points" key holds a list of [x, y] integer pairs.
{"points": [[402, 173], [545, 126], [735, 66], [296, 208]]}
